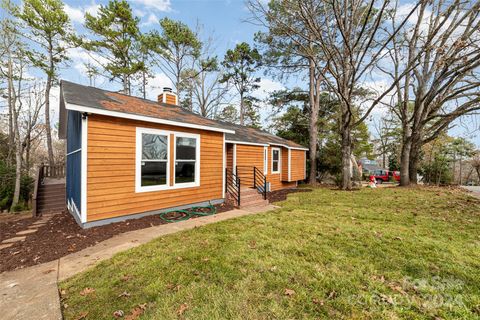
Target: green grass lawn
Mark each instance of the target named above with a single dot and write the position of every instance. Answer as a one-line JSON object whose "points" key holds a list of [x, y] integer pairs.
{"points": [[385, 253]]}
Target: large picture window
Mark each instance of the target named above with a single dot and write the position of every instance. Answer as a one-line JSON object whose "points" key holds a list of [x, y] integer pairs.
{"points": [[186, 159], [161, 154], [275, 160]]}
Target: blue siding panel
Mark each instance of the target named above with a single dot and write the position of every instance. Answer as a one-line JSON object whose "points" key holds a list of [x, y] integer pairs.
{"points": [[74, 158]]}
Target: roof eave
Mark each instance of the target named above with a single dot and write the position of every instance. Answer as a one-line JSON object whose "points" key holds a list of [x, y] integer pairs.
{"points": [[118, 114]]}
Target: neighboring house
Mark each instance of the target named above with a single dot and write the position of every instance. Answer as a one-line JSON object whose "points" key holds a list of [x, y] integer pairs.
{"points": [[128, 157], [367, 166]]}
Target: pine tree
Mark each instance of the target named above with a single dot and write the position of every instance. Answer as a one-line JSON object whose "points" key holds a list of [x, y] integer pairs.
{"points": [[117, 40], [48, 28], [241, 65]]}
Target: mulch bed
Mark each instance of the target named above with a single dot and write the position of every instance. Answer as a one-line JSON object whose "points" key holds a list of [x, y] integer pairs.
{"points": [[9, 228], [61, 235]]}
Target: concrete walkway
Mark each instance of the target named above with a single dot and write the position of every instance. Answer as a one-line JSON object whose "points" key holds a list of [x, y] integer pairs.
{"points": [[475, 190], [32, 293]]}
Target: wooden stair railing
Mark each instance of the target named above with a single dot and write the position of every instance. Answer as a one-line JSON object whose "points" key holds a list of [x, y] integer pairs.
{"points": [[45, 171]]}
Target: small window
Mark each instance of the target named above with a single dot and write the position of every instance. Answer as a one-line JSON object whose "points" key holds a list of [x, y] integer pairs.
{"points": [[186, 156], [275, 160], [154, 164]]}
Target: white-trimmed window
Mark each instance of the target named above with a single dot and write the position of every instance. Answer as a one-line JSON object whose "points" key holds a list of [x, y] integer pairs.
{"points": [[152, 160], [187, 160], [276, 160], [265, 160]]}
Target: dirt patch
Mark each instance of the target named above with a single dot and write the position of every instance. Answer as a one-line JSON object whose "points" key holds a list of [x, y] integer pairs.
{"points": [[61, 235], [281, 195]]}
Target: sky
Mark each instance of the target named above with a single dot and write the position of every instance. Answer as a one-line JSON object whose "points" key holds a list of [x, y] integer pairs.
{"points": [[224, 20]]}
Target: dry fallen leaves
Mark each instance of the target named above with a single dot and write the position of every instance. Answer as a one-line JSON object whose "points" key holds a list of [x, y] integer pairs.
{"points": [[136, 312], [81, 316], [124, 294], [289, 292], [183, 307], [86, 291], [118, 314], [318, 301]]}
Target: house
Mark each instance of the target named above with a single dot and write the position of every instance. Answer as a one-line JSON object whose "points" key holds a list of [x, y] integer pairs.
{"points": [[128, 157]]}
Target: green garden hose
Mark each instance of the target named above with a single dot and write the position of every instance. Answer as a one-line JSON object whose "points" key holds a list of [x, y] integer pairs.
{"points": [[189, 213]]}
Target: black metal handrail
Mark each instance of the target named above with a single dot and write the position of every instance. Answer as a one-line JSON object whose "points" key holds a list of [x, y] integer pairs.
{"points": [[232, 185], [260, 182]]}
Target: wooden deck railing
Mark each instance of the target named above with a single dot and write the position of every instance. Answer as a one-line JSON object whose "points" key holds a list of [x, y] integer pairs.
{"points": [[45, 171]]}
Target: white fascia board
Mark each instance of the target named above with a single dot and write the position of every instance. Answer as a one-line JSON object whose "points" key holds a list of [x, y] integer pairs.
{"points": [[292, 148], [247, 143], [131, 116]]}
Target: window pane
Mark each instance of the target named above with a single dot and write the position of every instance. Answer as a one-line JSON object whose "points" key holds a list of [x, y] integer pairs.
{"points": [[186, 148], [275, 166], [154, 173], [154, 147], [184, 172], [275, 155]]}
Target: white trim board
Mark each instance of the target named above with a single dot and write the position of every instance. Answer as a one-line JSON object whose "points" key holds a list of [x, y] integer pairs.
{"points": [[132, 116], [289, 165], [224, 166], [279, 160], [83, 172], [285, 146], [167, 186], [247, 143]]}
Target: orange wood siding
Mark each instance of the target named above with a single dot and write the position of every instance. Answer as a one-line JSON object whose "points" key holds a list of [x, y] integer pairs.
{"points": [[284, 164], [275, 179], [248, 157], [111, 170], [298, 165], [229, 150]]}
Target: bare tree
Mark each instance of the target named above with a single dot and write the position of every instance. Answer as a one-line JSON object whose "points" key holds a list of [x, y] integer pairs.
{"points": [[350, 39], [444, 84], [32, 128], [203, 83], [290, 51]]}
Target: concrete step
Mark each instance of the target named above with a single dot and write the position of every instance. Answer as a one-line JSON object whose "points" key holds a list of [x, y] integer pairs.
{"points": [[250, 197], [248, 191], [256, 203]]}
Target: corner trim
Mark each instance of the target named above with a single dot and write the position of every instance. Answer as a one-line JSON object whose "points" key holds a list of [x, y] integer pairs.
{"points": [[84, 171], [224, 165], [289, 165]]}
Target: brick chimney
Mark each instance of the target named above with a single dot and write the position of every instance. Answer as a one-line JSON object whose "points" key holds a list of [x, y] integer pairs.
{"points": [[167, 96]]}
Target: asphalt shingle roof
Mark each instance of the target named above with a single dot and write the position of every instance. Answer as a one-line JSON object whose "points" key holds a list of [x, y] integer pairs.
{"points": [[92, 97]]}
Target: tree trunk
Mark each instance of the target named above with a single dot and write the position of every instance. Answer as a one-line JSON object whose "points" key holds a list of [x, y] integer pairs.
{"points": [[313, 124], [414, 160], [18, 143], [48, 129], [242, 111], [18, 170], [346, 159], [405, 163]]}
